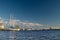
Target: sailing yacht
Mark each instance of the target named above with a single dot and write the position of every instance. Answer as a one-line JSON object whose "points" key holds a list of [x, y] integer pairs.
{"points": [[16, 28]]}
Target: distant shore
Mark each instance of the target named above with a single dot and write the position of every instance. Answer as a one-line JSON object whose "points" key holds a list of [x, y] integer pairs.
{"points": [[25, 30]]}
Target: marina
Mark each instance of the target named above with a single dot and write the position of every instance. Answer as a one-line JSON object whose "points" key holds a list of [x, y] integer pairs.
{"points": [[29, 19]]}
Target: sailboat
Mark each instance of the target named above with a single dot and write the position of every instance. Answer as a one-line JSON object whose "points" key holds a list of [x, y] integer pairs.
{"points": [[16, 28]]}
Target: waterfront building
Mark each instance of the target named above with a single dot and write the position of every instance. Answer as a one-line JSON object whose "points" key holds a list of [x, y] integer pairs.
{"points": [[2, 26]]}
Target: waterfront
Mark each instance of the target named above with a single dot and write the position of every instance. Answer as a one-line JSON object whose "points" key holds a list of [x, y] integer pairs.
{"points": [[31, 35]]}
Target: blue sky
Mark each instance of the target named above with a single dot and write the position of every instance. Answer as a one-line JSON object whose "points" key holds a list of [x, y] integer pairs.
{"points": [[36, 11]]}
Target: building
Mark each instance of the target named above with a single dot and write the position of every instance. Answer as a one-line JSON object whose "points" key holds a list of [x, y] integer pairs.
{"points": [[1, 25]]}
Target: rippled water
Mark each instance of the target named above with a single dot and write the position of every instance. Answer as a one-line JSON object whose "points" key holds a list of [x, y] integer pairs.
{"points": [[30, 35]]}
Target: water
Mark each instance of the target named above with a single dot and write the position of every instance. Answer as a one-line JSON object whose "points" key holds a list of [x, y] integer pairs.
{"points": [[30, 35]]}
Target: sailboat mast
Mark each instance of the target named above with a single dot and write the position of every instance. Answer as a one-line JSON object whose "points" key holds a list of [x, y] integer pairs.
{"points": [[11, 21]]}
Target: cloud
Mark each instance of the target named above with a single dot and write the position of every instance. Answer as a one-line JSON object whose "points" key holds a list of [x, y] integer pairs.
{"points": [[34, 24], [21, 23], [30, 24]]}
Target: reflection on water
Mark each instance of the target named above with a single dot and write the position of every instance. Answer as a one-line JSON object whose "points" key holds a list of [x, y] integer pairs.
{"points": [[30, 35]]}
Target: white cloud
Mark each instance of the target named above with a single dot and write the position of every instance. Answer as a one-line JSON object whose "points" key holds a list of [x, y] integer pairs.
{"points": [[20, 23], [30, 24]]}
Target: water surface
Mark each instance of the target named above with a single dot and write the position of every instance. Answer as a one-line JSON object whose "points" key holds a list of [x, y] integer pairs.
{"points": [[30, 35]]}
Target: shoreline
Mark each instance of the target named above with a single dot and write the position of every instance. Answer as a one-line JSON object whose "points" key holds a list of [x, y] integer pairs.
{"points": [[26, 30]]}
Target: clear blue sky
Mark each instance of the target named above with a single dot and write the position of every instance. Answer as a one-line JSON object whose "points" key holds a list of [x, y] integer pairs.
{"points": [[39, 11]]}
